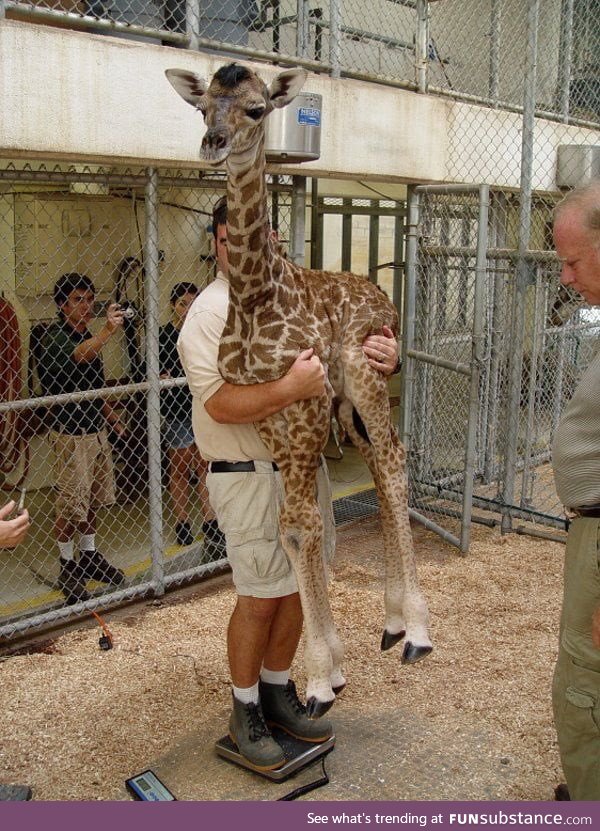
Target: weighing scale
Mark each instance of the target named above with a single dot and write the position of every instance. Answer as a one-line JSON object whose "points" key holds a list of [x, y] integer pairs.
{"points": [[298, 754], [147, 787]]}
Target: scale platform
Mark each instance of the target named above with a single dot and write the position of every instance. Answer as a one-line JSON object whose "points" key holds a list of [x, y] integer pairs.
{"points": [[298, 754]]}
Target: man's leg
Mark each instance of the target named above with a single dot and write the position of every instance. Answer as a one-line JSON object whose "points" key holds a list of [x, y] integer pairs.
{"points": [[247, 640], [70, 580]]}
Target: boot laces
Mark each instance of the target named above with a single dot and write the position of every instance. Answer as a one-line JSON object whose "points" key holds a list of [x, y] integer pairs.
{"points": [[292, 697], [257, 726]]}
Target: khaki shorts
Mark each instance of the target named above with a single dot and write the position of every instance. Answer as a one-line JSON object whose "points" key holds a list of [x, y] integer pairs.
{"points": [[83, 474], [247, 507]]}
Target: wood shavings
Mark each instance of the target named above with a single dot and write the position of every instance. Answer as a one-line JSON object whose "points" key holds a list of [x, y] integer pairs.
{"points": [[75, 721]]}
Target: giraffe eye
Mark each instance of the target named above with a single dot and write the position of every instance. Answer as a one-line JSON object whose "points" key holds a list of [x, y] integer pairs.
{"points": [[255, 113]]}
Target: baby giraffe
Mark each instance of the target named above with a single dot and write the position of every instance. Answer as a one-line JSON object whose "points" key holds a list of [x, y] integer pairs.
{"points": [[277, 309]]}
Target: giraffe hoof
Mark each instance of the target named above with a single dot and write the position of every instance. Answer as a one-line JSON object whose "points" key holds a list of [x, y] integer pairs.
{"points": [[388, 640], [412, 653], [316, 709], [338, 690]]}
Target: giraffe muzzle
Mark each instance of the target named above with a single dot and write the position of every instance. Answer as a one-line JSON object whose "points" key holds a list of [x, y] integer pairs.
{"points": [[215, 145]]}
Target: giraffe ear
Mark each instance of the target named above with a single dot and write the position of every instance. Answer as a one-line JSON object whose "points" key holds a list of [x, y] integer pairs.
{"points": [[286, 87], [190, 86]]}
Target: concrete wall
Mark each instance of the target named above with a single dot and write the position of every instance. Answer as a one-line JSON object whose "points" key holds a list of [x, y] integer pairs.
{"points": [[78, 96]]}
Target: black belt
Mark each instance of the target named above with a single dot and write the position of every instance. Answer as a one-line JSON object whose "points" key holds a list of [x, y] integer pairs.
{"points": [[586, 510], [235, 467]]}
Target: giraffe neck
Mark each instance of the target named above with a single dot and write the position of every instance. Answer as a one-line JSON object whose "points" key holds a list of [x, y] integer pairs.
{"points": [[249, 246]]}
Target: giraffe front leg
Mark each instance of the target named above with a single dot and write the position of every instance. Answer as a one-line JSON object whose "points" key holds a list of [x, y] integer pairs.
{"points": [[301, 534]]}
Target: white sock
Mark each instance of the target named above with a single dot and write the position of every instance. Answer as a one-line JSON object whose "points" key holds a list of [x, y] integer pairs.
{"points": [[271, 676], [87, 542], [66, 549], [247, 695]]}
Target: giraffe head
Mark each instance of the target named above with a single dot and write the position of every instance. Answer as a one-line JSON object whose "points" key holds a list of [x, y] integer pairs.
{"points": [[234, 105]]}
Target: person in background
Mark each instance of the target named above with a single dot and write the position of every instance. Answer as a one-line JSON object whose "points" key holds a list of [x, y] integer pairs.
{"points": [[13, 531], [176, 411], [576, 464], [70, 361], [246, 492]]}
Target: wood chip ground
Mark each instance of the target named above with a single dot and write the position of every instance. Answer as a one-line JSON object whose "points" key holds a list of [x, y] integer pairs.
{"points": [[76, 721]]}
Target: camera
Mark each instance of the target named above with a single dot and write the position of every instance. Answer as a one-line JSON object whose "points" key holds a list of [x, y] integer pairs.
{"points": [[128, 309]]}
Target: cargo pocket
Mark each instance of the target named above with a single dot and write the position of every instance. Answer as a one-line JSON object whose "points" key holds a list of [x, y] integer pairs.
{"points": [[584, 709]]}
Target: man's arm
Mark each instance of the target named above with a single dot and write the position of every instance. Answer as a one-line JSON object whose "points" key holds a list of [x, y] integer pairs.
{"points": [[90, 348], [244, 404], [12, 531]]}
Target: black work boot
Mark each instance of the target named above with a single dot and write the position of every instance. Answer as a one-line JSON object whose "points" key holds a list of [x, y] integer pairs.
{"points": [[71, 582], [15, 793], [94, 566], [247, 729], [183, 533], [282, 708]]}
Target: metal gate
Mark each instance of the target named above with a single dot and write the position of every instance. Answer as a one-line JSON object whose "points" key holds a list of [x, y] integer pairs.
{"points": [[443, 349], [494, 348]]}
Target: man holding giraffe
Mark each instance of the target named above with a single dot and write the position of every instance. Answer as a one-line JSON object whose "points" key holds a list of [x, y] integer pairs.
{"points": [[246, 491]]}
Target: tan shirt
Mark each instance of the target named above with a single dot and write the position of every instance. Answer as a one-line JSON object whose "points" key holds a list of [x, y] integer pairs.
{"points": [[198, 348], [576, 445]]}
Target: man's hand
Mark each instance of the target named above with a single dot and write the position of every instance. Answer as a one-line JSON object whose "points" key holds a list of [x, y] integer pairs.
{"points": [[596, 628], [307, 376], [114, 317], [382, 351], [12, 531]]}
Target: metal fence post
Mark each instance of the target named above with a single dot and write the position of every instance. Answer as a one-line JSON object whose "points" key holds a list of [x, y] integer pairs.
{"points": [[422, 44], [494, 86], [335, 36], [522, 271], [477, 362], [298, 220], [152, 368], [408, 325], [565, 58]]}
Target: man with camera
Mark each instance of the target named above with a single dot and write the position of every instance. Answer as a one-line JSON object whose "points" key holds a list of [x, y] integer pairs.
{"points": [[70, 362]]}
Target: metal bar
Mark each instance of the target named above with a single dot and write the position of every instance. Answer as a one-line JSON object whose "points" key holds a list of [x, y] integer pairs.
{"points": [[151, 256], [539, 309], [75, 21], [495, 19], [347, 238], [373, 244], [421, 45], [113, 393], [298, 220], [399, 255], [362, 210], [407, 378], [314, 220], [433, 526], [565, 60], [320, 236], [492, 505], [302, 34], [522, 269], [443, 363], [335, 38], [78, 610], [477, 360]]}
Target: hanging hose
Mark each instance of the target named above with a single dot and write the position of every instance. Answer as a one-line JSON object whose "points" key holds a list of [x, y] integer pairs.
{"points": [[13, 448]]}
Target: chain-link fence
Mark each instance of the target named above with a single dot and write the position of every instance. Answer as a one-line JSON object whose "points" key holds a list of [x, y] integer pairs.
{"points": [[95, 416], [469, 50], [492, 354], [492, 362]]}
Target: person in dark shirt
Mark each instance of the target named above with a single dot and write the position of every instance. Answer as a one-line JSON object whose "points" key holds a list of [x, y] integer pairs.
{"points": [[70, 362], [176, 412]]}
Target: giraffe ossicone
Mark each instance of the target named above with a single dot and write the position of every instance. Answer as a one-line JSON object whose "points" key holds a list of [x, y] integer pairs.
{"points": [[276, 309]]}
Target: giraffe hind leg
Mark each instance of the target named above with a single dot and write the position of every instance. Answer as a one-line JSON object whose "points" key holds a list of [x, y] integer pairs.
{"points": [[402, 594]]}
